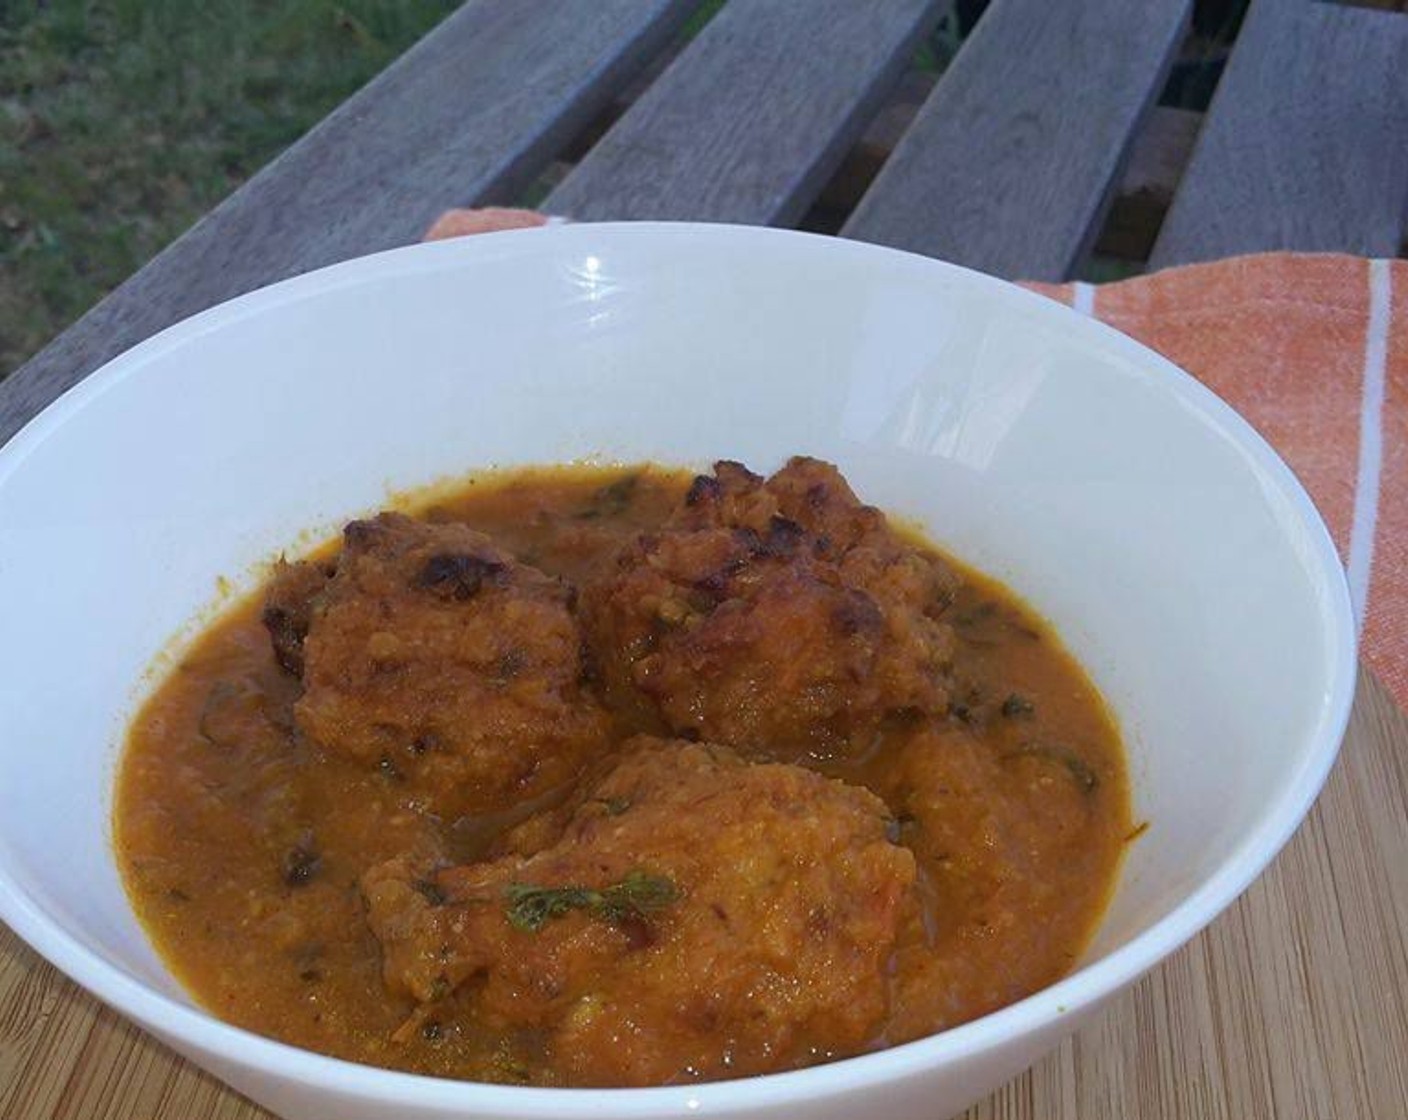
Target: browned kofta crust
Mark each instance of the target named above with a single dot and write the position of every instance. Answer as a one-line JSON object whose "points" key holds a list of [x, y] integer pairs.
{"points": [[434, 656], [782, 617], [288, 609], [730, 918]]}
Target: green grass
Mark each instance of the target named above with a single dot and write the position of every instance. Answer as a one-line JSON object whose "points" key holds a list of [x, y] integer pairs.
{"points": [[123, 121]]}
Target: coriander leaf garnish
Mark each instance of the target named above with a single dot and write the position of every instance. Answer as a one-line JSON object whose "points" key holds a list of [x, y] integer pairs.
{"points": [[530, 907]]}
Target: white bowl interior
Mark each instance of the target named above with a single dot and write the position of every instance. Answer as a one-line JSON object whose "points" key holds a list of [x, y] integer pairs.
{"points": [[1166, 544]]}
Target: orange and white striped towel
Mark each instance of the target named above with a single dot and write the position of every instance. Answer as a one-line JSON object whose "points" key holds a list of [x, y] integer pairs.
{"points": [[1313, 350]]}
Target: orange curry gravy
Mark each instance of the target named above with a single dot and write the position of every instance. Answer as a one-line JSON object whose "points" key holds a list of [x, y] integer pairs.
{"points": [[243, 846]]}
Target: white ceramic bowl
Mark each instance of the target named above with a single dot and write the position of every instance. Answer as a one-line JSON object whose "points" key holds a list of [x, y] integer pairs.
{"points": [[1168, 544]]}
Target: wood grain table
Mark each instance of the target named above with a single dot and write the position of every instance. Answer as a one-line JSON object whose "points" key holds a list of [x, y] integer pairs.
{"points": [[1294, 1004]]}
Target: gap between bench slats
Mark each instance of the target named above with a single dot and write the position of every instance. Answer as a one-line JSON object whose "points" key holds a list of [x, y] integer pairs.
{"points": [[1306, 143], [751, 120], [1011, 161], [466, 116]]}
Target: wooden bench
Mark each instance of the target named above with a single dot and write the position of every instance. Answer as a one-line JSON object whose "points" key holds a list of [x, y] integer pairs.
{"points": [[1293, 1005]]}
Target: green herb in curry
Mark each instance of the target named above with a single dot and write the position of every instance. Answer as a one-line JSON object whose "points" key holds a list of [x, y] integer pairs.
{"points": [[531, 907], [1080, 771]]}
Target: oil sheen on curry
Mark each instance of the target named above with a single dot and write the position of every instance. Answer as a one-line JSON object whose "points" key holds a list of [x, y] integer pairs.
{"points": [[607, 777]]}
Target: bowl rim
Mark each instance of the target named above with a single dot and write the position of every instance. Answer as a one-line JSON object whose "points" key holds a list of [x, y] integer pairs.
{"points": [[1078, 992]]}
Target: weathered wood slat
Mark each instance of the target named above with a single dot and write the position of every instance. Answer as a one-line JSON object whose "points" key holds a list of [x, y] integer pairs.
{"points": [[468, 115], [751, 120], [1306, 142], [1010, 163]]}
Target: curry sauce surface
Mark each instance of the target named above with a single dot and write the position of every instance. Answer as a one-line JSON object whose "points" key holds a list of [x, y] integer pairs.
{"points": [[1016, 807]]}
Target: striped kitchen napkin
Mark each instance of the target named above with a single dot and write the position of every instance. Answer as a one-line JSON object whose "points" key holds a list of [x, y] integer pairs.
{"points": [[1313, 350]]}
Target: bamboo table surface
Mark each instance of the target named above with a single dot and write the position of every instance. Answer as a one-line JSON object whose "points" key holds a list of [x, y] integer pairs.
{"points": [[1292, 1005]]}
